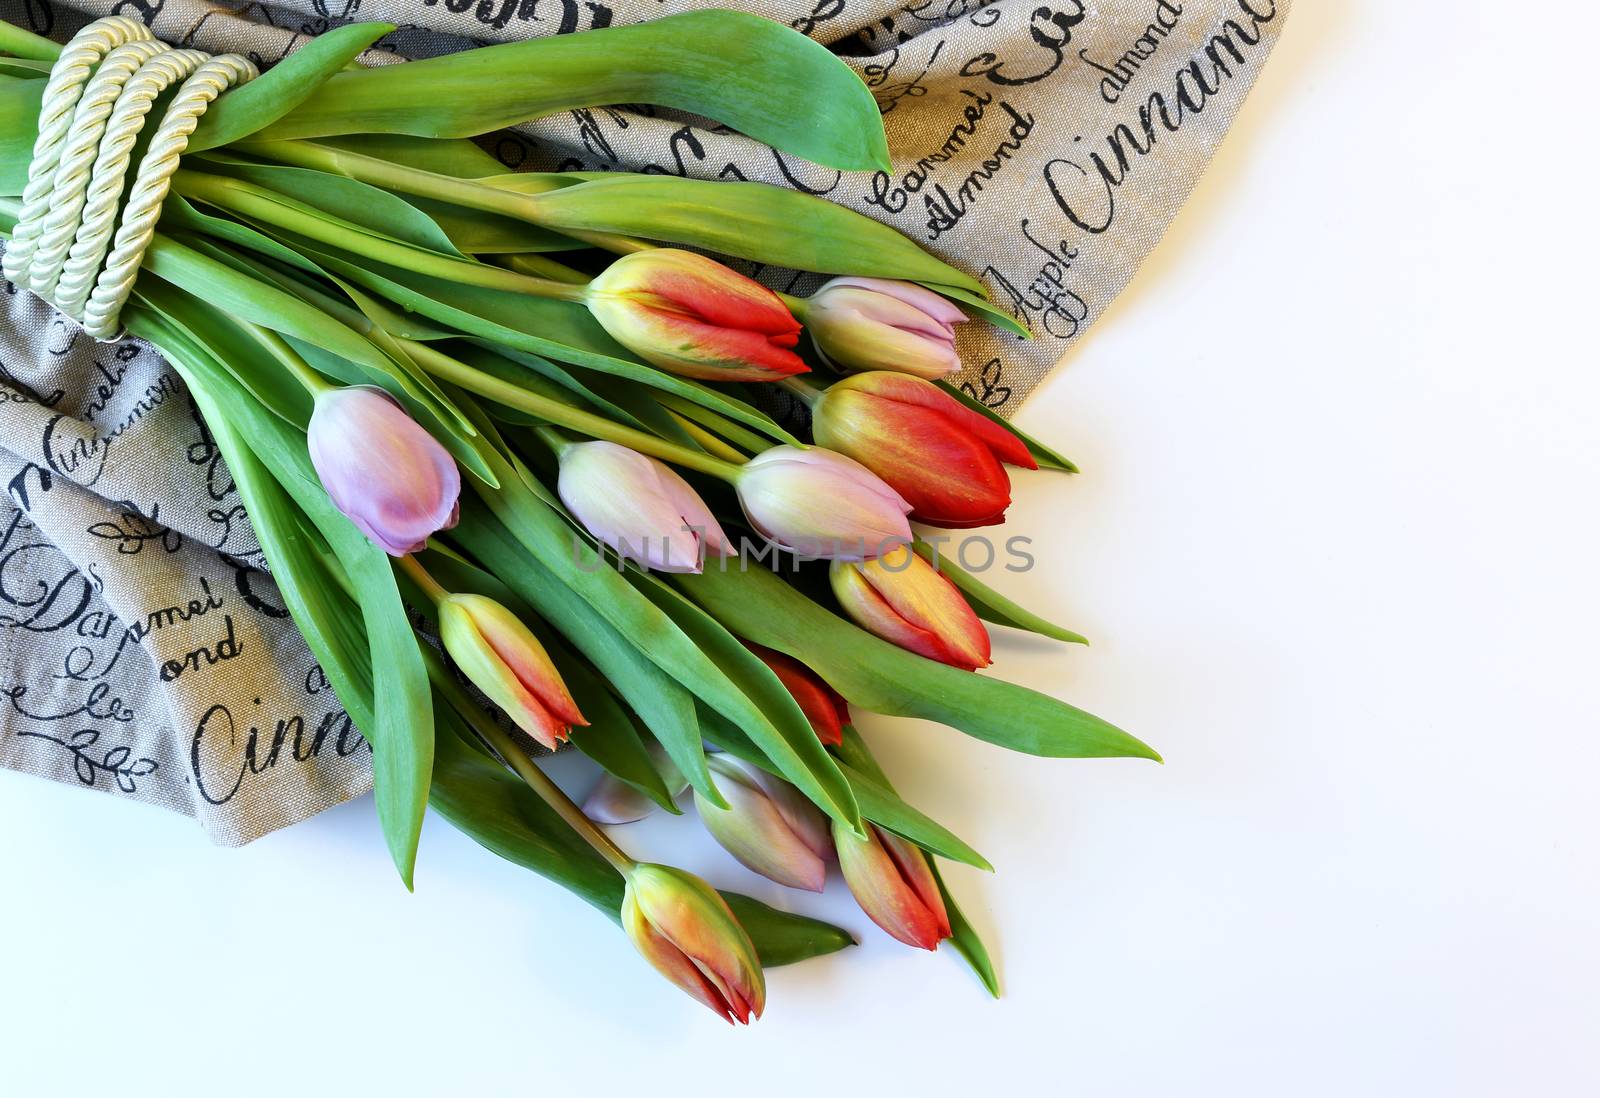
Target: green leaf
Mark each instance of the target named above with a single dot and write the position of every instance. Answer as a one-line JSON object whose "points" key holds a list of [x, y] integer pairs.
{"points": [[372, 208], [964, 937], [759, 77], [401, 727], [991, 605], [1046, 457], [883, 806], [456, 156], [783, 734], [284, 87], [19, 126], [782, 937], [260, 302], [750, 220], [980, 303], [490, 805], [876, 675], [25, 44]]}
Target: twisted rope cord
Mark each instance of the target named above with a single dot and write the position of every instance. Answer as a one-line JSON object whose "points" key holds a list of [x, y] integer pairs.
{"points": [[60, 223], [61, 93], [150, 190], [95, 105], [108, 181]]}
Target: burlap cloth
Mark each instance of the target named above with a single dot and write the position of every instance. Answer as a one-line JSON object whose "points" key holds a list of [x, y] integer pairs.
{"points": [[1043, 146]]}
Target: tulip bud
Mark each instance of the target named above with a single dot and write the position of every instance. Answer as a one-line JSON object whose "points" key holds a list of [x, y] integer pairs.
{"points": [[823, 706], [769, 825], [692, 316], [880, 324], [638, 506], [688, 932], [941, 456], [614, 801], [389, 476], [502, 658], [814, 501], [903, 599], [892, 881]]}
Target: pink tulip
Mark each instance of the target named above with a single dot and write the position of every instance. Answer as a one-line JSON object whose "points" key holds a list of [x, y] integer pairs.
{"points": [[816, 502], [388, 475], [685, 930], [639, 507], [882, 324], [892, 881], [769, 825], [692, 316]]}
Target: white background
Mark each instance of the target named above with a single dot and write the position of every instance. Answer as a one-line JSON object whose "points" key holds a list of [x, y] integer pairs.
{"points": [[1336, 544]]}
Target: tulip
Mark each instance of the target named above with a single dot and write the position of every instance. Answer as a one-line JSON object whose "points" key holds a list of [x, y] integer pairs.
{"points": [[614, 801], [904, 599], [941, 456], [387, 475], [692, 316], [892, 881], [879, 324], [823, 706], [638, 506], [814, 501], [769, 825], [502, 658], [688, 932]]}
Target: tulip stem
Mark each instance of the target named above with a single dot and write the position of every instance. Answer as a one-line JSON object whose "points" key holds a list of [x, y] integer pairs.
{"points": [[275, 345], [797, 305], [419, 575], [260, 204], [520, 205], [441, 365], [501, 742], [802, 389]]}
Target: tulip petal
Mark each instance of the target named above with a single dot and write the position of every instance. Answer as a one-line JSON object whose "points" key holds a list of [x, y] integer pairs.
{"points": [[756, 833], [521, 651], [949, 477], [912, 862], [936, 306], [638, 506], [670, 961], [868, 609], [876, 881], [822, 704], [693, 316], [393, 479], [908, 390], [688, 913], [811, 500], [919, 595], [884, 325]]}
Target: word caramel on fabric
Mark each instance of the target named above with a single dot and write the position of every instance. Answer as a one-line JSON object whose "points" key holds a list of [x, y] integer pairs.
{"points": [[1042, 145]]}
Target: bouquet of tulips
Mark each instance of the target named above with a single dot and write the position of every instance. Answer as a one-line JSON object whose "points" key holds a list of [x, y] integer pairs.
{"points": [[503, 439]]}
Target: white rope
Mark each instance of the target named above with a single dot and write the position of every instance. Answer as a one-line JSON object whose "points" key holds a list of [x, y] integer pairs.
{"points": [[61, 93], [70, 246]]}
